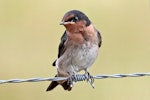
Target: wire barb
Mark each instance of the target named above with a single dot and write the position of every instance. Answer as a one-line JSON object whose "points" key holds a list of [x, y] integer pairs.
{"points": [[78, 77]]}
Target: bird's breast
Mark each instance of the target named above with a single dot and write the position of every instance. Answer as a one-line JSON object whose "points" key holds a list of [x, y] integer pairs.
{"points": [[75, 38], [77, 57]]}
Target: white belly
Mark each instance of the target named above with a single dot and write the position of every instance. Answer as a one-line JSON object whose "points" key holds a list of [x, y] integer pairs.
{"points": [[77, 58]]}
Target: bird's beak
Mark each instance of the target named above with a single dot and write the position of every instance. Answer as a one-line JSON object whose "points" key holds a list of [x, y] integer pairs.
{"points": [[62, 23], [65, 23]]}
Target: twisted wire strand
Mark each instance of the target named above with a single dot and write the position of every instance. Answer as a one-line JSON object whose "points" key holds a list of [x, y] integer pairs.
{"points": [[78, 77]]}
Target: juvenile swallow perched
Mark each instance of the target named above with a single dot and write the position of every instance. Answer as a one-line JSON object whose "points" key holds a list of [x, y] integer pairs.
{"points": [[78, 48]]}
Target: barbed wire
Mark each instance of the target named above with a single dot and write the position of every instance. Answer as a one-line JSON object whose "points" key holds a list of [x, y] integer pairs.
{"points": [[78, 77]]}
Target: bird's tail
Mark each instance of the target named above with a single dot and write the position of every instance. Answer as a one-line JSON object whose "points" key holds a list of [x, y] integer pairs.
{"points": [[52, 86], [64, 84]]}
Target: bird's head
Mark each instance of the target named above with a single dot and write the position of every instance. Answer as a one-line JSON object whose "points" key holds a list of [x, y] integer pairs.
{"points": [[75, 19]]}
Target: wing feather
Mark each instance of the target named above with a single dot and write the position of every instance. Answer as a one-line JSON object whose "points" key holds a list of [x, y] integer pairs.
{"points": [[99, 39], [62, 47]]}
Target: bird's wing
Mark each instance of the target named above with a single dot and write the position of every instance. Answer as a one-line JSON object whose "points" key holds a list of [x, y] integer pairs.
{"points": [[62, 47], [99, 38]]}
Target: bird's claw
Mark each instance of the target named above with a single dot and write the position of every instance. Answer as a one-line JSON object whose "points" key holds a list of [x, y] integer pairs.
{"points": [[90, 79], [74, 78], [71, 80]]}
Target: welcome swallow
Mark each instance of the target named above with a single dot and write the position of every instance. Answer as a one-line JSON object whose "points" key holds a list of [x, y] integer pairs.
{"points": [[78, 48]]}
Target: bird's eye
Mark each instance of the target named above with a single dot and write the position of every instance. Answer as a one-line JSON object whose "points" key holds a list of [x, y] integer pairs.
{"points": [[74, 19]]}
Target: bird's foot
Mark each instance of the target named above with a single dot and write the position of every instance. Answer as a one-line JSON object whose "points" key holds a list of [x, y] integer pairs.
{"points": [[90, 79], [72, 79]]}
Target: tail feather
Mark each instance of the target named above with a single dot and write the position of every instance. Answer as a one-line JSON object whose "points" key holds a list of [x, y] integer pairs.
{"points": [[52, 86], [64, 84]]}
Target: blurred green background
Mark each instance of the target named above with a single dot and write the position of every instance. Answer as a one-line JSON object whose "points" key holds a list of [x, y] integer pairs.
{"points": [[30, 34]]}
